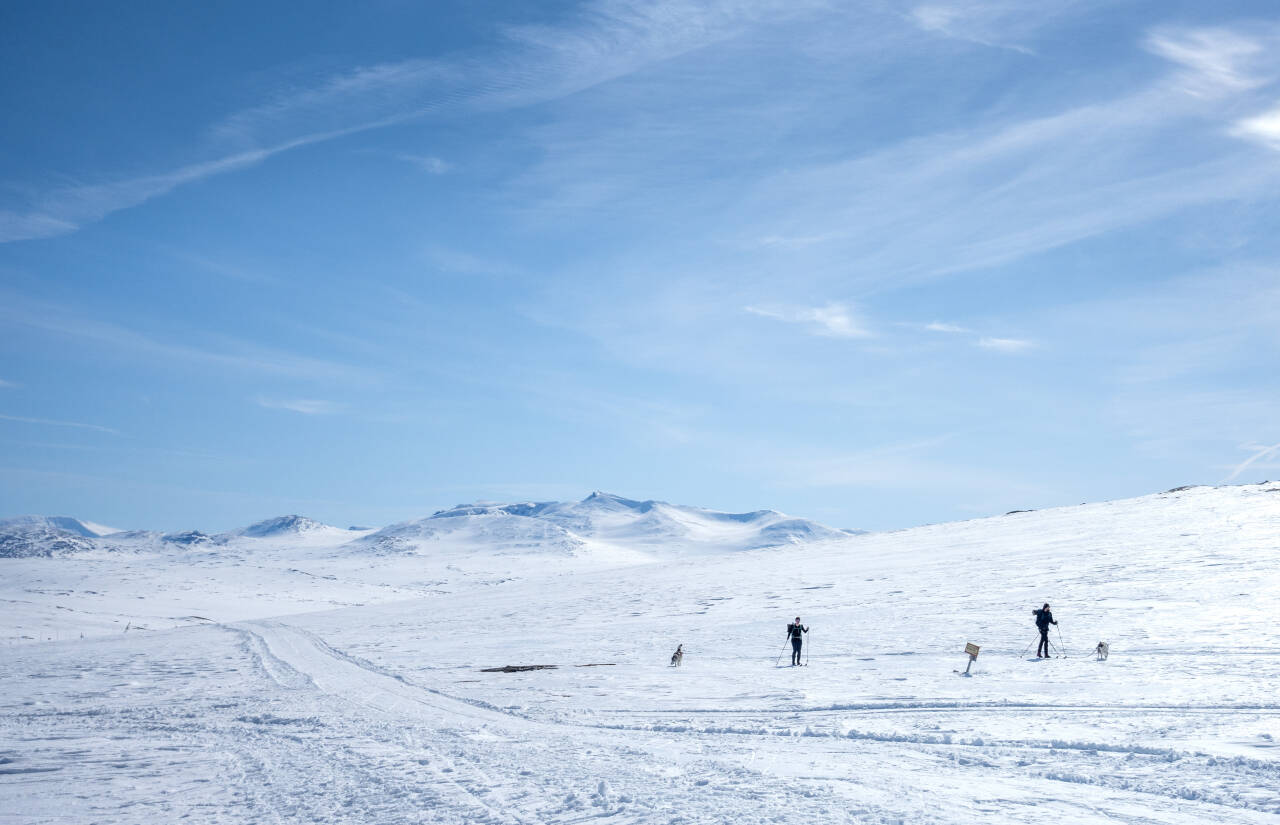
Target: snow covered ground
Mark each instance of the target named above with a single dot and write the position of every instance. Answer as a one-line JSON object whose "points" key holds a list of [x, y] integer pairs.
{"points": [[308, 675]]}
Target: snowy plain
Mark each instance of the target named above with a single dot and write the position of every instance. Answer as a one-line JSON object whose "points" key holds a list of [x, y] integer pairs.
{"points": [[295, 672]]}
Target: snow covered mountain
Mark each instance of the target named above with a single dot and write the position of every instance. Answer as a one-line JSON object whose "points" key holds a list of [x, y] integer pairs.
{"points": [[602, 526], [281, 525], [26, 536], [292, 530], [601, 523], [59, 536]]}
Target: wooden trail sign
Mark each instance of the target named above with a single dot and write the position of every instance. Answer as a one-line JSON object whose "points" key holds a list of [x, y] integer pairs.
{"points": [[971, 649]]}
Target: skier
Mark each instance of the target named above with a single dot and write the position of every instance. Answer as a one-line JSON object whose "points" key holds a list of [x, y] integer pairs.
{"points": [[1044, 618], [795, 633]]}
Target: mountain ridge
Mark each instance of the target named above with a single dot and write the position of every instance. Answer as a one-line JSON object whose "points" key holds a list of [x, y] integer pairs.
{"points": [[599, 521]]}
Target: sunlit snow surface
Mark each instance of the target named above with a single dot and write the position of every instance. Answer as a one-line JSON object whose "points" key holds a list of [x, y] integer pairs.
{"points": [[341, 683]]}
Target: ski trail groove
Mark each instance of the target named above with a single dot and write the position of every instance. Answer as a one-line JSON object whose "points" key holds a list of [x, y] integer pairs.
{"points": [[361, 683], [581, 750]]}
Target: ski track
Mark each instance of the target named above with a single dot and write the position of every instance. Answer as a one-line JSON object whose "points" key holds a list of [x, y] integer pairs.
{"points": [[487, 779], [270, 723]]}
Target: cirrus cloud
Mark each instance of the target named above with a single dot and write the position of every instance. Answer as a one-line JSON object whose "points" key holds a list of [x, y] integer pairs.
{"points": [[834, 320], [1006, 344], [306, 406]]}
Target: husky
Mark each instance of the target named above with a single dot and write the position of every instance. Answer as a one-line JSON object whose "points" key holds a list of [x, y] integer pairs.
{"points": [[678, 656], [1103, 650]]}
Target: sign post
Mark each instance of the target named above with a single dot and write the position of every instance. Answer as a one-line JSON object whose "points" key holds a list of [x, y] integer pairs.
{"points": [[971, 649]]}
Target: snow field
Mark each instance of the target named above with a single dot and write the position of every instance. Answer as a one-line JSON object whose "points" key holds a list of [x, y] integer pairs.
{"points": [[379, 712]]}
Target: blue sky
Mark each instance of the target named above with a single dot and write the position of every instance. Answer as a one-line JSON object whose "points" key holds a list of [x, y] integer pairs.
{"points": [[876, 264]]}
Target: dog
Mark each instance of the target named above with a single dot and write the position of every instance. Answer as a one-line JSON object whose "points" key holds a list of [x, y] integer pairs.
{"points": [[1103, 650], [678, 656]]}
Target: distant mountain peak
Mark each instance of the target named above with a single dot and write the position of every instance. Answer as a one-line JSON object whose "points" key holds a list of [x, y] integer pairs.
{"points": [[599, 498], [64, 524], [187, 537], [489, 508], [25, 536], [280, 526]]}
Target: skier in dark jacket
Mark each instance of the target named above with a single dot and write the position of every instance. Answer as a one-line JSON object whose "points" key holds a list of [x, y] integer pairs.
{"points": [[1044, 618], [795, 633]]}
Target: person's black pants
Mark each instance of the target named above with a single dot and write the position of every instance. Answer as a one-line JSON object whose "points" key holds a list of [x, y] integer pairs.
{"points": [[796, 642], [1044, 643]]}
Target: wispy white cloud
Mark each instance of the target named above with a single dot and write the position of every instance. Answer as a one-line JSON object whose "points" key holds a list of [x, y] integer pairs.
{"points": [[1010, 345], [1263, 128], [362, 98], [935, 18], [1260, 453], [1002, 24], [233, 354], [1174, 422], [45, 422], [975, 338], [534, 64], [982, 23], [1217, 61], [990, 192], [306, 406], [66, 209], [7, 384], [219, 268], [955, 329], [834, 320], [463, 262], [427, 163], [1047, 181]]}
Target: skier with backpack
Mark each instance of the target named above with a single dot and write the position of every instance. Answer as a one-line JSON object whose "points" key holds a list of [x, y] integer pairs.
{"points": [[1044, 618], [795, 633]]}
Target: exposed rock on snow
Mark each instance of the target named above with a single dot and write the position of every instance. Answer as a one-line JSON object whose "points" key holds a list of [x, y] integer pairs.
{"points": [[28, 536], [188, 538]]}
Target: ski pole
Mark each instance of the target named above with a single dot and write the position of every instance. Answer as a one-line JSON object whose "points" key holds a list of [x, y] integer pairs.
{"points": [[1060, 644], [1028, 647], [778, 660], [808, 649]]}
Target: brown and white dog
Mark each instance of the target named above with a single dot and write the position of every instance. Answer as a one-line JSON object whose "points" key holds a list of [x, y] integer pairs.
{"points": [[678, 656]]}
